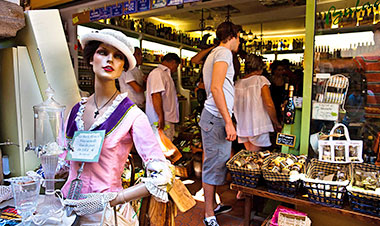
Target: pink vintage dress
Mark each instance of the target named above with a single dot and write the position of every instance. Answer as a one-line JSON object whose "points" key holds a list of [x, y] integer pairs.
{"points": [[124, 124]]}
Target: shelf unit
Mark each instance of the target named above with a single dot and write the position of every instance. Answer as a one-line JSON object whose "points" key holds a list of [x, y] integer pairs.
{"points": [[328, 31], [141, 36], [284, 51]]}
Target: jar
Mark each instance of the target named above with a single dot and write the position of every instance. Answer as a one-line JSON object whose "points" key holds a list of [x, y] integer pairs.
{"points": [[264, 154], [302, 159], [278, 160]]}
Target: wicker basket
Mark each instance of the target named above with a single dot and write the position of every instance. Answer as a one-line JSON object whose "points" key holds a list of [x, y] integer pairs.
{"points": [[279, 183], [364, 201], [185, 170], [329, 193], [241, 175]]}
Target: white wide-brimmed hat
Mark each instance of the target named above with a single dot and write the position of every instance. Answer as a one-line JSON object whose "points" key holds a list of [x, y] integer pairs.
{"points": [[114, 38]]}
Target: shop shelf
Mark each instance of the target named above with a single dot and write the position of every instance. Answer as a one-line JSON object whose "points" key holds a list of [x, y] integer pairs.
{"points": [[143, 36]]}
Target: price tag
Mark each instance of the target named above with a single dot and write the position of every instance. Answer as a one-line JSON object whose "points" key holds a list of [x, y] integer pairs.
{"points": [[86, 146], [286, 139]]}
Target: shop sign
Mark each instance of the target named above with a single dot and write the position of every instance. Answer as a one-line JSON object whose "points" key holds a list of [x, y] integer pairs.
{"points": [[338, 15], [158, 4], [130, 7], [325, 111], [286, 139], [124, 8], [162, 3], [86, 146], [143, 5], [175, 2]]}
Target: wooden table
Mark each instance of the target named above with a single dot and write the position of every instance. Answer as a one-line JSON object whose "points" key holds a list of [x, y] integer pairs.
{"points": [[297, 201]]}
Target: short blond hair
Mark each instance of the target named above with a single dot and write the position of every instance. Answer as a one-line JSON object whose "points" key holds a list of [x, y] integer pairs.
{"points": [[254, 62]]}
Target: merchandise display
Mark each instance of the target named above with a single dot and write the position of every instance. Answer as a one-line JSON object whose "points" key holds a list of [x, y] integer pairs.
{"points": [[340, 151], [326, 159]]}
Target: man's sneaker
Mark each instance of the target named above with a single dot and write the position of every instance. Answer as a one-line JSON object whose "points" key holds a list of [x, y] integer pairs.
{"points": [[222, 209], [211, 222]]}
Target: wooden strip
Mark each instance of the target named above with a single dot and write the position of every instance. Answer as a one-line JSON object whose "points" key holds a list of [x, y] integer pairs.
{"points": [[300, 201]]}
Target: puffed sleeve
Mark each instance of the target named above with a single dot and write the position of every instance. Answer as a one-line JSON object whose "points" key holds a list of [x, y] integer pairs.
{"points": [[159, 171]]}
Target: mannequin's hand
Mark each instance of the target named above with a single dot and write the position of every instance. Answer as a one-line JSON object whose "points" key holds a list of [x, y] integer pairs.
{"points": [[91, 203]]}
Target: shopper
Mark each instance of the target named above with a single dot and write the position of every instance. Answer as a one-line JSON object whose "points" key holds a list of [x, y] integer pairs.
{"points": [[161, 95], [216, 125], [200, 90], [133, 81], [253, 107], [277, 89], [108, 52]]}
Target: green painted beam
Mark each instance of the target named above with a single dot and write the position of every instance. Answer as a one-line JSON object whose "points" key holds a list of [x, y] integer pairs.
{"points": [[308, 75]]}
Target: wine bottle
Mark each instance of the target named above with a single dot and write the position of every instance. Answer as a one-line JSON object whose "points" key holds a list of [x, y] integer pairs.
{"points": [[290, 109]]}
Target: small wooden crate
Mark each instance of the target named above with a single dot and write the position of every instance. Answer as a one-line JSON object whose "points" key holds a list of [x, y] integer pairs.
{"points": [[184, 171]]}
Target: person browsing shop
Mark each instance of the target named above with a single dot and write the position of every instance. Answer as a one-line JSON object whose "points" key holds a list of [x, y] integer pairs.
{"points": [[253, 108], [133, 81], [216, 124], [161, 95], [109, 53]]}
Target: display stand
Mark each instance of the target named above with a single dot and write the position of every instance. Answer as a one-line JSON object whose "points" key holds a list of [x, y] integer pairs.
{"points": [[298, 202]]}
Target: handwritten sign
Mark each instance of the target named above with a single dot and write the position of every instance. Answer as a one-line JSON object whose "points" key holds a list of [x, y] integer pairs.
{"points": [[87, 146], [286, 139], [325, 111]]}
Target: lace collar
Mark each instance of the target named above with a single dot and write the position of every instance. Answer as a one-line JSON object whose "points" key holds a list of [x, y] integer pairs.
{"points": [[101, 119]]}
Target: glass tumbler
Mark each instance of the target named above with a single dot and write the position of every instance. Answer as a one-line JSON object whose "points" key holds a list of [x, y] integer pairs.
{"points": [[25, 192]]}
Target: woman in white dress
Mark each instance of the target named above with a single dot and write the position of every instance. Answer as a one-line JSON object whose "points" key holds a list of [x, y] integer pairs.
{"points": [[254, 109]]}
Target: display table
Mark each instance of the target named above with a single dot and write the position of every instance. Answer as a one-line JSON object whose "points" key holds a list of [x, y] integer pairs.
{"points": [[298, 202], [65, 220]]}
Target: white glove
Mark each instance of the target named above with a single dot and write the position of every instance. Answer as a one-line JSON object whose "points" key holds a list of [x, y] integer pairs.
{"points": [[91, 203], [5, 193], [159, 180]]}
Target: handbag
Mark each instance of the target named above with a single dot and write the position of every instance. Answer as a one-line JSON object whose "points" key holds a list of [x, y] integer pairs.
{"points": [[340, 151], [120, 215]]}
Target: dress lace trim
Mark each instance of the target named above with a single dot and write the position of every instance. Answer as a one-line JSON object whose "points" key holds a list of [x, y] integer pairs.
{"points": [[115, 103]]}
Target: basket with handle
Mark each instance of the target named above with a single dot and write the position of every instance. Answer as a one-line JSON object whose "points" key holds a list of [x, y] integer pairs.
{"points": [[242, 175], [364, 201], [329, 193], [340, 151]]}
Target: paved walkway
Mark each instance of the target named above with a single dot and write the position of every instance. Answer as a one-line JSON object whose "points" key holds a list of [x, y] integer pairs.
{"points": [[194, 217]]}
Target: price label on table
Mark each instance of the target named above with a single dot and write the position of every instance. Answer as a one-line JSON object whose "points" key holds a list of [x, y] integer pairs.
{"points": [[286, 139]]}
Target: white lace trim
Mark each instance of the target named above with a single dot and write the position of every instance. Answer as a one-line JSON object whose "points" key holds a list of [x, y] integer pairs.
{"points": [[159, 194], [115, 103]]}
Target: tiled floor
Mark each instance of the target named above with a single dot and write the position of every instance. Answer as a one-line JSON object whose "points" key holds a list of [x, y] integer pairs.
{"points": [[194, 217]]}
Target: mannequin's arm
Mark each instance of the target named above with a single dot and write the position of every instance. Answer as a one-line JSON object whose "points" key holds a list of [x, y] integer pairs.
{"points": [[131, 193]]}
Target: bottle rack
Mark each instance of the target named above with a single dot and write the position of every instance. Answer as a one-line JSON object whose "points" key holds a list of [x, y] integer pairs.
{"points": [[85, 75]]}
